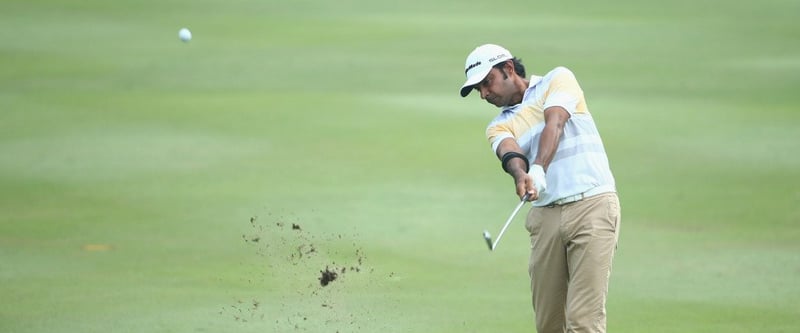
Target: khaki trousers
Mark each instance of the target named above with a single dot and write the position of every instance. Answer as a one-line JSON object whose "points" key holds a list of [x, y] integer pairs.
{"points": [[572, 247]]}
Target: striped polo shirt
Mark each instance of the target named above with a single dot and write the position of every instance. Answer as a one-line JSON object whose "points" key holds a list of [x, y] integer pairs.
{"points": [[580, 163]]}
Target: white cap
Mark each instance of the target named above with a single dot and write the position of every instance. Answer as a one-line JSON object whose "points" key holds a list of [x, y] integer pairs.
{"points": [[480, 62]]}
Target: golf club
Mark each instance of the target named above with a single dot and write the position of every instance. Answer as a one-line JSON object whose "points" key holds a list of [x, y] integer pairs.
{"points": [[488, 237]]}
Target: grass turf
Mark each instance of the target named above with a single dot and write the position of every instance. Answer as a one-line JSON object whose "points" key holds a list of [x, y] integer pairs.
{"points": [[131, 164]]}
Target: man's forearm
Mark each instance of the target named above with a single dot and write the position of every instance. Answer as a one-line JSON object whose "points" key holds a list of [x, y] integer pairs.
{"points": [[555, 118], [513, 165], [548, 143]]}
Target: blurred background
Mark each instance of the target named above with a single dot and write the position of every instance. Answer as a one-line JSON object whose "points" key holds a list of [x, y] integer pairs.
{"points": [[154, 185]]}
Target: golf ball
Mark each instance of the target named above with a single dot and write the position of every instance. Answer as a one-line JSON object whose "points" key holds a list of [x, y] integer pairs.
{"points": [[185, 35]]}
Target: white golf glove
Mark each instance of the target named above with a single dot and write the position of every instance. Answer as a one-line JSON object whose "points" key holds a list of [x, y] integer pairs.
{"points": [[537, 174]]}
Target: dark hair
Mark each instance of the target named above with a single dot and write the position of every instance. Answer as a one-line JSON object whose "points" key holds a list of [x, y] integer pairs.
{"points": [[518, 67]]}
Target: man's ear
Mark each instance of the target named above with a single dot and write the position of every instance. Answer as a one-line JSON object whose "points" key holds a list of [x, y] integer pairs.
{"points": [[508, 68]]}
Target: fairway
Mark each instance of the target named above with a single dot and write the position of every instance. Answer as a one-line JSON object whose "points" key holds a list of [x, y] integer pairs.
{"points": [[153, 185]]}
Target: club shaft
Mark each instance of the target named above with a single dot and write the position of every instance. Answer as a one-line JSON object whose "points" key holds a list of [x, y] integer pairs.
{"points": [[508, 222]]}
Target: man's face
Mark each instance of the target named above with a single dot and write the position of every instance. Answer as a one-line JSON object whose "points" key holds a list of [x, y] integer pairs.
{"points": [[497, 89]]}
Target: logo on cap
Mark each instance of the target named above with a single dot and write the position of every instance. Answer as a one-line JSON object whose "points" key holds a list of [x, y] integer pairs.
{"points": [[498, 57], [471, 66]]}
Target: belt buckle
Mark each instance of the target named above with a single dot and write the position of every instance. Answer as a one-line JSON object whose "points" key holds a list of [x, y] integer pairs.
{"points": [[575, 198], [568, 200]]}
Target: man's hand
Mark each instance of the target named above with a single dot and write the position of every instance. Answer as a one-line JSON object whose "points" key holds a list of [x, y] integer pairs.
{"points": [[524, 185], [531, 184], [537, 176]]}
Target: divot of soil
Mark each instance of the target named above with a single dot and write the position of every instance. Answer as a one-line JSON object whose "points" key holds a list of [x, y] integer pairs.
{"points": [[291, 251], [328, 276]]}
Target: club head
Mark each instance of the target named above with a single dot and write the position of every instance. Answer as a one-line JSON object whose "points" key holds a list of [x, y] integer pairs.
{"points": [[488, 239]]}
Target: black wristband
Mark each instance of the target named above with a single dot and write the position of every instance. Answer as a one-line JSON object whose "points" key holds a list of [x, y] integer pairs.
{"points": [[512, 155]]}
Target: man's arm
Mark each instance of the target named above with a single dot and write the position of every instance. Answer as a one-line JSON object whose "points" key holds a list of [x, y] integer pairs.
{"points": [[554, 119], [517, 168], [509, 145]]}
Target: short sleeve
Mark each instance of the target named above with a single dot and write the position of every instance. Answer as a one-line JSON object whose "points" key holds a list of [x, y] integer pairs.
{"points": [[564, 91], [497, 132]]}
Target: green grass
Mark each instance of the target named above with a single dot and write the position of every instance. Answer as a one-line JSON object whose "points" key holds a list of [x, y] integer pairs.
{"points": [[343, 117]]}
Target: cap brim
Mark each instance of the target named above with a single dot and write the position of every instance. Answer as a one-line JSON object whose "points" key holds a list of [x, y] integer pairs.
{"points": [[465, 91], [474, 79]]}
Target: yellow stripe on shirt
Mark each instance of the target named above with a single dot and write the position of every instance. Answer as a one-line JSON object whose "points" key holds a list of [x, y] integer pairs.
{"points": [[519, 122]]}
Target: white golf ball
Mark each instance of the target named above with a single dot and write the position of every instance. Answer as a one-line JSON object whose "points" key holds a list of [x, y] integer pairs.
{"points": [[185, 35]]}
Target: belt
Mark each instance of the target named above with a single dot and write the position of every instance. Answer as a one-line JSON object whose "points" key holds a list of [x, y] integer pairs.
{"points": [[579, 196]]}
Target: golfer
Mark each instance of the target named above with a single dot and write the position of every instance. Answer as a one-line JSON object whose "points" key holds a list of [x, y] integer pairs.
{"points": [[547, 141]]}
